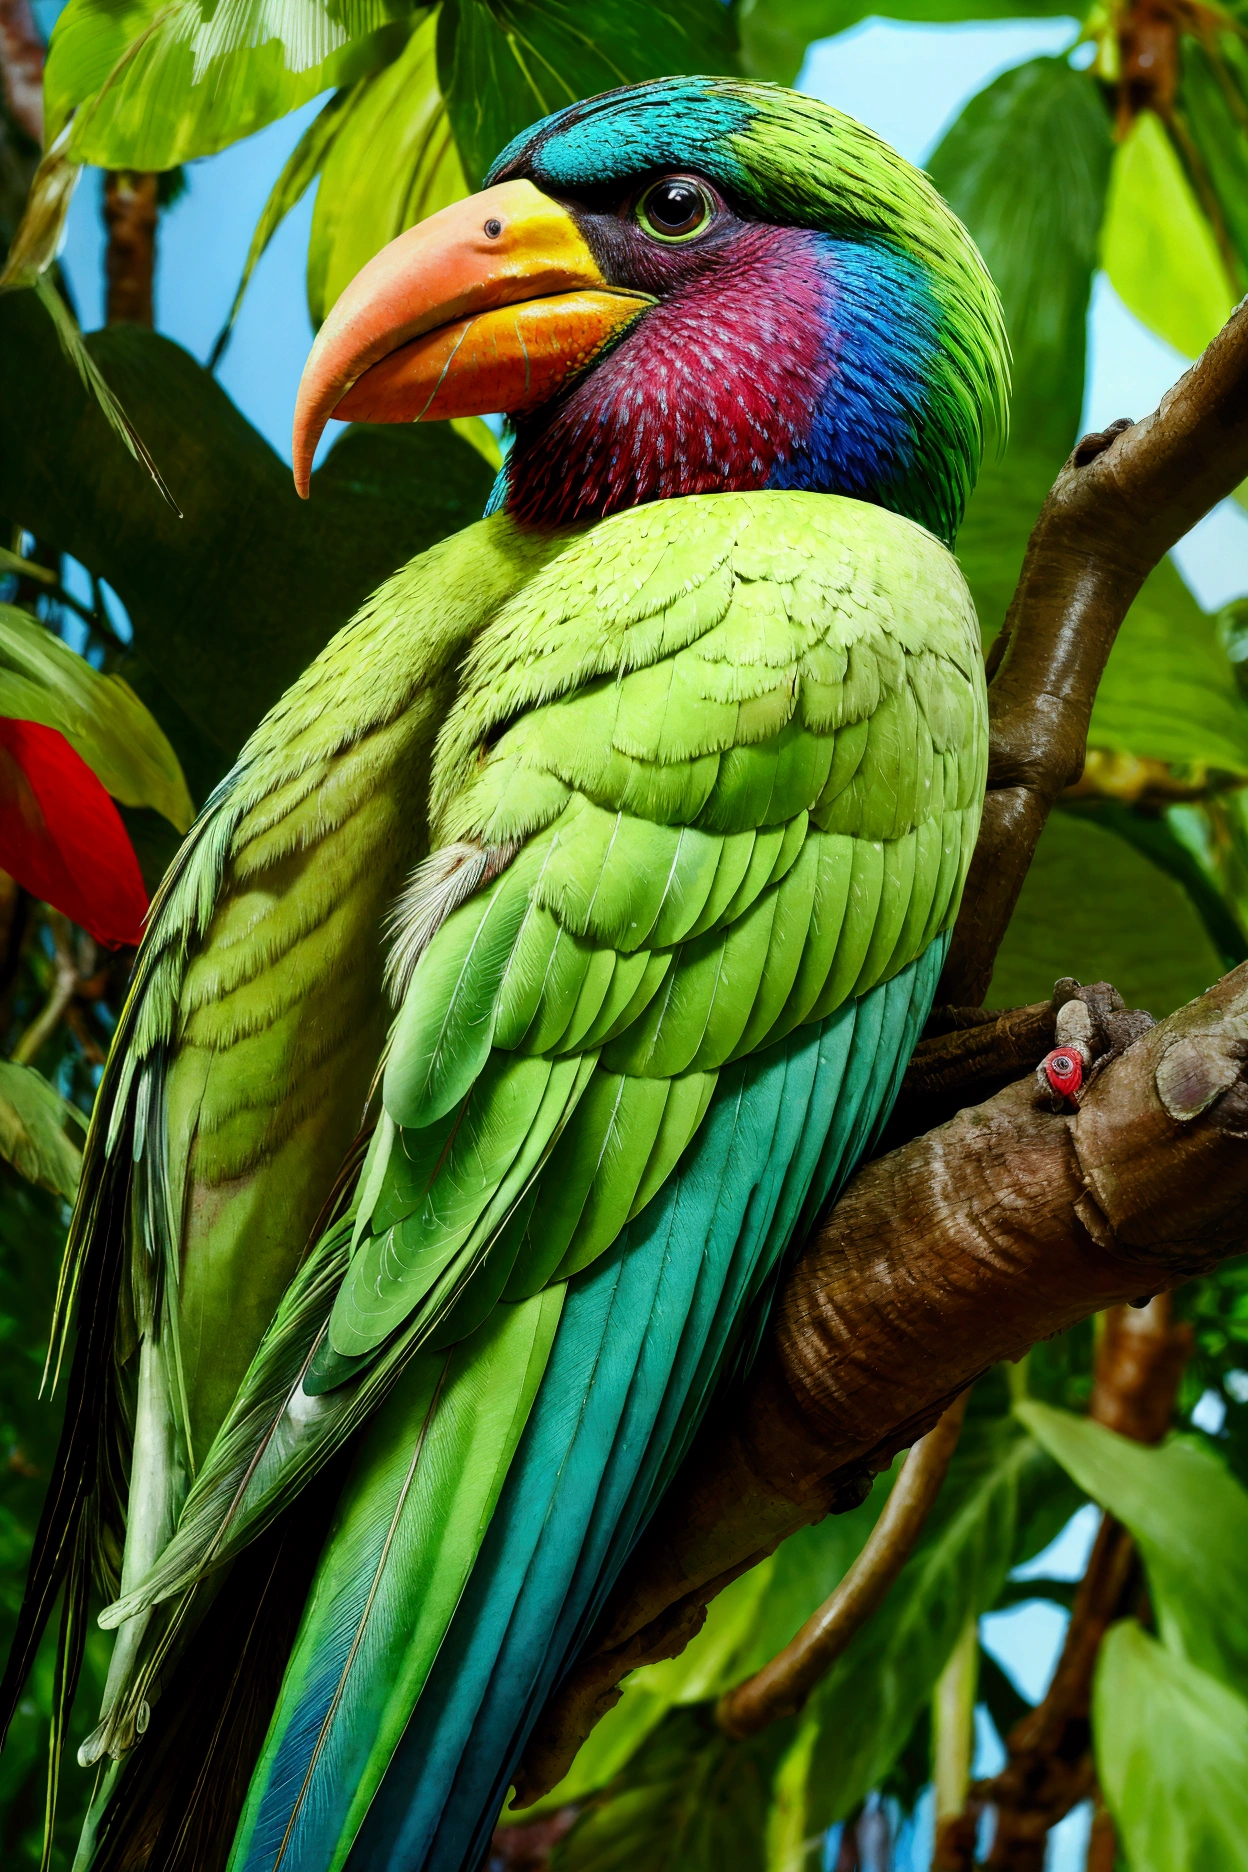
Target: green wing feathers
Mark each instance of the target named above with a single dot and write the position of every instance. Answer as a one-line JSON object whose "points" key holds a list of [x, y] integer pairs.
{"points": [[742, 789], [250, 1039], [691, 777]]}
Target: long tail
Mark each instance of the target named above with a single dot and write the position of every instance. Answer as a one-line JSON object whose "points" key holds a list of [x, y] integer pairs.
{"points": [[406, 1532], [180, 1793], [435, 1629]]}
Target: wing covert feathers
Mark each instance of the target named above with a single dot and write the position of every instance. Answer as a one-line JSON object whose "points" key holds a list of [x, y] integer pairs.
{"points": [[663, 790], [802, 716], [737, 747]]}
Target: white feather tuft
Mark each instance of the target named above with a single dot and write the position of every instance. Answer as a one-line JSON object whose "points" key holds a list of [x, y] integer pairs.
{"points": [[442, 882]]}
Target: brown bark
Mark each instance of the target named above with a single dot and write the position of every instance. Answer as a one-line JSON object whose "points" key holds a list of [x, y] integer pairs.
{"points": [[966, 1055], [1005, 1226], [21, 67], [956, 1838], [1102, 1843], [130, 212], [1139, 1365], [1116, 508]]}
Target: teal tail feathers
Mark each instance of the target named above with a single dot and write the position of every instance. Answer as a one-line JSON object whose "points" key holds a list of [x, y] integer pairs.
{"points": [[438, 1621], [407, 1529]]}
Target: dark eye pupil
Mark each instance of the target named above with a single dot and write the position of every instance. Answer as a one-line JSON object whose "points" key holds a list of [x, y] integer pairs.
{"points": [[674, 206]]}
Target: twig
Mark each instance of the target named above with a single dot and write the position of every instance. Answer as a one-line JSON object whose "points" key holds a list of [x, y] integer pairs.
{"points": [[979, 1054], [1140, 1362], [1117, 507], [64, 987], [782, 1687]]}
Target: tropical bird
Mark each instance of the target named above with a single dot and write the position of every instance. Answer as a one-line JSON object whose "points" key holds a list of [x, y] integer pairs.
{"points": [[542, 968]]}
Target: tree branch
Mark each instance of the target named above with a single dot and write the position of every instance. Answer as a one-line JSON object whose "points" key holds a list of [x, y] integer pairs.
{"points": [[1117, 507], [782, 1686], [1007, 1225], [1050, 1768]]}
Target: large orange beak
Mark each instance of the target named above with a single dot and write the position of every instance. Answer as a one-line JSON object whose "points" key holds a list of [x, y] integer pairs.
{"points": [[491, 304]]}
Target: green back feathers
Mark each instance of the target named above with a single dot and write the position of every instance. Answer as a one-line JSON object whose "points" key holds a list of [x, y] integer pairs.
{"points": [[737, 743], [728, 756]]}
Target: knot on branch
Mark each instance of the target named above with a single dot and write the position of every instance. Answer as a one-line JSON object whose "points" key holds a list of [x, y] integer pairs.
{"points": [[1095, 443], [1159, 1141]]}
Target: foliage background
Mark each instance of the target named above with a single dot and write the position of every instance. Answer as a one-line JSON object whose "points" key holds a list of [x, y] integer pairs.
{"points": [[210, 616]]}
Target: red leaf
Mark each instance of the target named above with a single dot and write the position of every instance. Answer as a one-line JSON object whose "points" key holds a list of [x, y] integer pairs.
{"points": [[61, 835]]}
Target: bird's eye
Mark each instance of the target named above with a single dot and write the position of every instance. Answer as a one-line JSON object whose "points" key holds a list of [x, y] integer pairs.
{"points": [[675, 209]]}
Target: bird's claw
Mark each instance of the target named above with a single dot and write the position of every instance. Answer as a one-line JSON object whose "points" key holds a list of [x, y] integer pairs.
{"points": [[1093, 1026]]}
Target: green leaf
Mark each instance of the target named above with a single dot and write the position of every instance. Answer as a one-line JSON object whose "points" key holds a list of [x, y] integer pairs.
{"points": [[1219, 127], [1026, 166], [1171, 1743], [1190, 1517], [231, 603], [298, 174], [33, 1120], [19, 274], [775, 34], [42, 680], [505, 63], [1093, 907], [1002, 1494], [151, 85], [1231, 626], [41, 227], [391, 162], [993, 537], [1157, 246], [386, 158], [690, 1801], [1169, 690], [1157, 837]]}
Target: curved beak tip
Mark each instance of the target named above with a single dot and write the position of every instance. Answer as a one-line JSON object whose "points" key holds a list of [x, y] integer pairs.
{"points": [[489, 266]]}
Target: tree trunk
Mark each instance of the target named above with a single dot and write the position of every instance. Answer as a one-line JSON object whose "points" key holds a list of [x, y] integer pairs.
{"points": [[130, 262], [21, 67]]}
